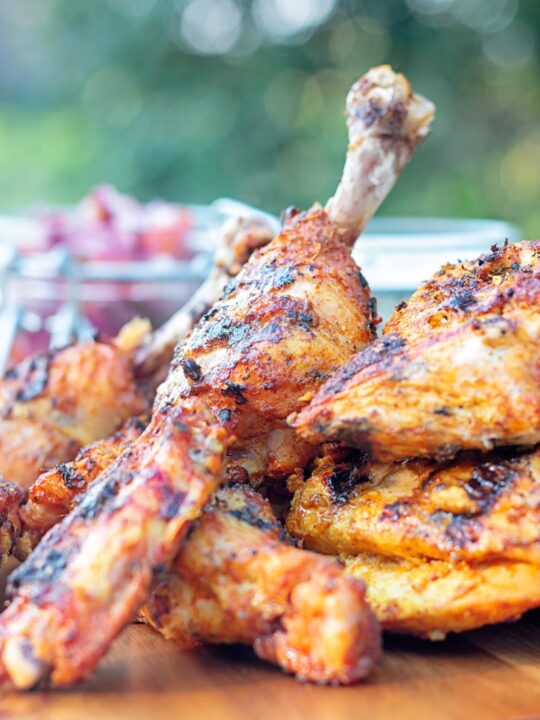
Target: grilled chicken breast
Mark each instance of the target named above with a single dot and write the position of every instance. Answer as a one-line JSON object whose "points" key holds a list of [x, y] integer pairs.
{"points": [[431, 598], [457, 368], [474, 508], [442, 546]]}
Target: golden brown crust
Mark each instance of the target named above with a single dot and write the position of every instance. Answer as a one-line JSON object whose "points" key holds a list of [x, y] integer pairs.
{"points": [[54, 403], [473, 508], [55, 492], [261, 351], [235, 580], [296, 311], [286, 323], [473, 382], [11, 496], [431, 598], [87, 576]]}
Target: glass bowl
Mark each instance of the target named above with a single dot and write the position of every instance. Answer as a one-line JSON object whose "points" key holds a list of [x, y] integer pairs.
{"points": [[50, 297]]}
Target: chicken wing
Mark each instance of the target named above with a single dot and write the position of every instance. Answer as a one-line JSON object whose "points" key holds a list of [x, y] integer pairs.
{"points": [[89, 574], [55, 492], [296, 310], [236, 580], [458, 368]]}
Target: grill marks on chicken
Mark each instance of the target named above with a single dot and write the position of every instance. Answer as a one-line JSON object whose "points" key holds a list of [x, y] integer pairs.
{"points": [[89, 574], [236, 580], [295, 312], [442, 547], [56, 491], [98, 562], [458, 368], [53, 404], [476, 507], [283, 326]]}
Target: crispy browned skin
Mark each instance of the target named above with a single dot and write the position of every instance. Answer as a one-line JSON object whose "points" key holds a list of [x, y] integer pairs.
{"points": [[292, 315], [473, 508], [283, 326], [236, 580], [11, 497], [459, 368], [442, 547], [56, 491], [53, 404], [431, 598], [89, 574], [259, 352]]}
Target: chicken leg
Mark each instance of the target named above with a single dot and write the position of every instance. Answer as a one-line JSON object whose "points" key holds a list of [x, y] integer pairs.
{"points": [[291, 316]]}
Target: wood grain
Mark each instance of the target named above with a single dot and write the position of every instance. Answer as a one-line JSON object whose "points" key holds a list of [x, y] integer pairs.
{"points": [[492, 673]]}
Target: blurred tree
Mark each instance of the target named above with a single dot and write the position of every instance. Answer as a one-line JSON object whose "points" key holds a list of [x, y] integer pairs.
{"points": [[193, 99]]}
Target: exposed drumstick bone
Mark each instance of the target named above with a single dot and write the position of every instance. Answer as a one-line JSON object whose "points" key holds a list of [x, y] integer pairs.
{"points": [[386, 122]]}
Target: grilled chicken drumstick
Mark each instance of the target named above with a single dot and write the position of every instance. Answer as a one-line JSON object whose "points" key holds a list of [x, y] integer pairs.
{"points": [[294, 312], [458, 367], [53, 404], [236, 580], [386, 123], [380, 150]]}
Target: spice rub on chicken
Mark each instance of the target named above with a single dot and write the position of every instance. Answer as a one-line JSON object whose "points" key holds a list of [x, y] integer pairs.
{"points": [[244, 362], [457, 368]]}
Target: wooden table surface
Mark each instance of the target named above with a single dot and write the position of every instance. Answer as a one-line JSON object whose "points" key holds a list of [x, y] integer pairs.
{"points": [[491, 673]]}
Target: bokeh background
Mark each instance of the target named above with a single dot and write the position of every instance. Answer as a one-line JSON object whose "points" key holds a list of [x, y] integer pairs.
{"points": [[193, 99]]}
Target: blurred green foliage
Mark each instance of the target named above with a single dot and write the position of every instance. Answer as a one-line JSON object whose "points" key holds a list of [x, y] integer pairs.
{"points": [[194, 99]]}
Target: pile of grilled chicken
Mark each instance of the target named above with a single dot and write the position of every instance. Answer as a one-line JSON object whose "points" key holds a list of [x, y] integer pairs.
{"points": [[284, 478]]}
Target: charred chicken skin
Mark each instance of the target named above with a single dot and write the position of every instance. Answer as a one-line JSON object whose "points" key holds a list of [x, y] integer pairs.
{"points": [[457, 368], [53, 404], [236, 580], [98, 562], [442, 547], [233, 580], [474, 508], [289, 319], [56, 491]]}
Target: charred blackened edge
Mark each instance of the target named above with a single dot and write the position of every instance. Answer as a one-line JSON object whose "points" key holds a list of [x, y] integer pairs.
{"points": [[235, 391], [346, 477], [381, 353], [33, 375], [192, 370]]}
